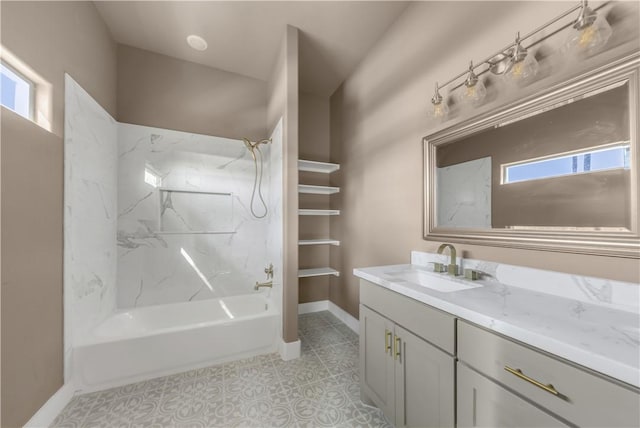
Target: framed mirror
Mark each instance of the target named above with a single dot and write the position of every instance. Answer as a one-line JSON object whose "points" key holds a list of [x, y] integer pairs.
{"points": [[557, 171]]}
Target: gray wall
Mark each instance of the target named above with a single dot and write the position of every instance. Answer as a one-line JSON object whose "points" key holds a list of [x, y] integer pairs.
{"points": [[378, 119], [157, 90], [51, 38]]}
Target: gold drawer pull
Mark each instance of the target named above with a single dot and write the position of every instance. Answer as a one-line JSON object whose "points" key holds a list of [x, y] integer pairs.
{"points": [[397, 348], [387, 341], [549, 388]]}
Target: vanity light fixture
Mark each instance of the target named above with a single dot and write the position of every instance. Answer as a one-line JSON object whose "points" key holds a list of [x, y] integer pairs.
{"points": [[439, 109], [473, 90], [197, 42], [590, 32], [521, 65]]}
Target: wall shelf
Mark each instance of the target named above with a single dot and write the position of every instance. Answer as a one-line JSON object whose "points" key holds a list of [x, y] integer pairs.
{"points": [[317, 190], [318, 212], [318, 242], [305, 273], [321, 167]]}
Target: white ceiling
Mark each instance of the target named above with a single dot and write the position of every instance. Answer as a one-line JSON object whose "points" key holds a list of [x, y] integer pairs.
{"points": [[244, 36]]}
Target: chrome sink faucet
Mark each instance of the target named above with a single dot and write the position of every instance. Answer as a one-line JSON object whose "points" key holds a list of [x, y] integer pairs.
{"points": [[452, 268]]}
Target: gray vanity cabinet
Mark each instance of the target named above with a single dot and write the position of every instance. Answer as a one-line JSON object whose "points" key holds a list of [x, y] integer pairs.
{"points": [[424, 378], [377, 371], [407, 377], [483, 403], [571, 393], [408, 369]]}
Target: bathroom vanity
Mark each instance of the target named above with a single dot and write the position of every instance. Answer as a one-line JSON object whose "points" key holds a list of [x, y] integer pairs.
{"points": [[501, 351]]}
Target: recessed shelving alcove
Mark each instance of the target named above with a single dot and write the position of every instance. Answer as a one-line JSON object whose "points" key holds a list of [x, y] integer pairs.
{"points": [[317, 168]]}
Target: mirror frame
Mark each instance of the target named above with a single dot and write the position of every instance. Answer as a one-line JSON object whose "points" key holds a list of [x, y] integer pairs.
{"points": [[606, 243]]}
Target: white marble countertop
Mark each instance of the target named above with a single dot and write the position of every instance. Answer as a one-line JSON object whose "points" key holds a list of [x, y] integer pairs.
{"points": [[600, 337]]}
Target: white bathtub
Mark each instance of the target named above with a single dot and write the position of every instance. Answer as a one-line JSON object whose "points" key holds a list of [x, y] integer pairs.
{"points": [[152, 341]]}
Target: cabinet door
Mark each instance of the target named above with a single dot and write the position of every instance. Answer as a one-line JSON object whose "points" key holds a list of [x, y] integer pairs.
{"points": [[425, 394], [483, 403], [376, 360]]}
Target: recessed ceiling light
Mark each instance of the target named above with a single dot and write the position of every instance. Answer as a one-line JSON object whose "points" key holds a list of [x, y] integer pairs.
{"points": [[197, 42]]}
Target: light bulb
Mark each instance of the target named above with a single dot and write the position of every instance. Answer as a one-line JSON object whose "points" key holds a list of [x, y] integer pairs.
{"points": [[439, 109], [522, 71], [521, 66], [472, 91], [472, 95], [591, 32], [586, 37]]}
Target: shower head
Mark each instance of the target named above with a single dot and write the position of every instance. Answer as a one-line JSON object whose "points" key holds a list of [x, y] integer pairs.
{"points": [[248, 143], [252, 146]]}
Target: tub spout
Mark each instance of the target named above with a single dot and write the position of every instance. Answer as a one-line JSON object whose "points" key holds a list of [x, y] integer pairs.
{"points": [[263, 284]]}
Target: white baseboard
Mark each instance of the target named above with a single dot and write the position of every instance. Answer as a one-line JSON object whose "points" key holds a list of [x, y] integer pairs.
{"points": [[326, 305], [345, 317], [307, 308], [289, 350], [45, 416]]}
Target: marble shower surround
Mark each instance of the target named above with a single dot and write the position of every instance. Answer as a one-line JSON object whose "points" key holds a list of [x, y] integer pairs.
{"points": [[90, 215], [275, 232], [159, 268]]}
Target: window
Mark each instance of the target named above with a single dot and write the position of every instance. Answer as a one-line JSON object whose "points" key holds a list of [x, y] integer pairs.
{"points": [[612, 156], [17, 91], [151, 176]]}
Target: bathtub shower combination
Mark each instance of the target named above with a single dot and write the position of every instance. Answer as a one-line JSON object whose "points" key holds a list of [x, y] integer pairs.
{"points": [[163, 247], [144, 342]]}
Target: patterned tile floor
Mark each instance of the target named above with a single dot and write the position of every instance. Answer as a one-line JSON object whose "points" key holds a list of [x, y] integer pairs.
{"points": [[320, 389]]}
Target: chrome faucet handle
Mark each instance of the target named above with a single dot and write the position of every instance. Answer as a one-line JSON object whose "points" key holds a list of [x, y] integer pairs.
{"points": [[473, 274], [438, 267], [269, 271]]}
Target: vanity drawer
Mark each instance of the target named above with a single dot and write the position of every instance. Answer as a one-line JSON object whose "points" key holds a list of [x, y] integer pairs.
{"points": [[583, 397], [432, 325]]}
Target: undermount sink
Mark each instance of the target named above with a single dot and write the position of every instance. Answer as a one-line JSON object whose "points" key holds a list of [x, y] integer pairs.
{"points": [[433, 281]]}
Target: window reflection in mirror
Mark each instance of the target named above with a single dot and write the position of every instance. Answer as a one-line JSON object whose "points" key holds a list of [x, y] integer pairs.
{"points": [[565, 167]]}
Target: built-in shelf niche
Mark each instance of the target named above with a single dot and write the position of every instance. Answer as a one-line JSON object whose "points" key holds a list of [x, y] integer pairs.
{"points": [[194, 212], [322, 168], [322, 271]]}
